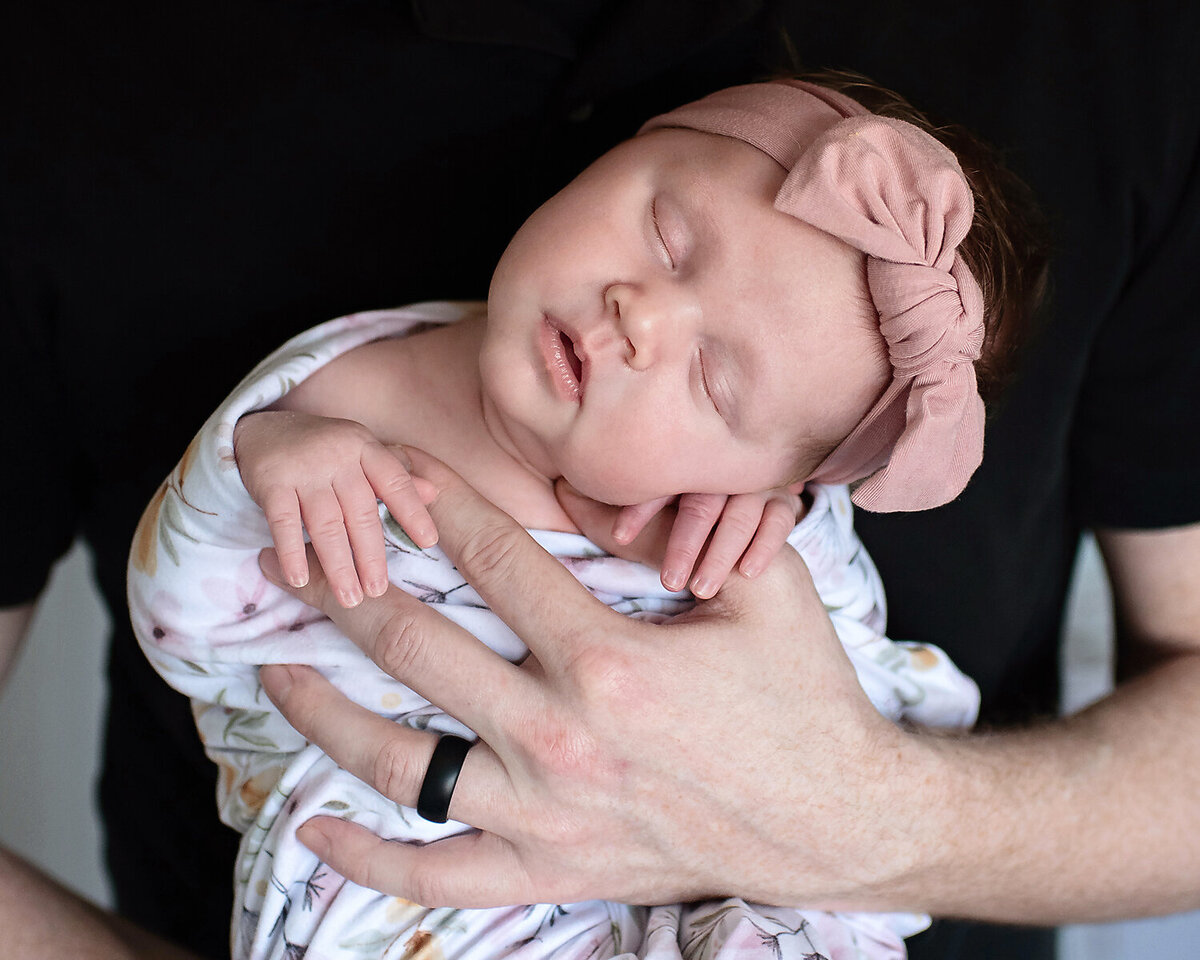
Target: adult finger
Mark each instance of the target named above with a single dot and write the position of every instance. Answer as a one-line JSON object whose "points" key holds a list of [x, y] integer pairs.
{"points": [[596, 520], [519, 581], [426, 651], [391, 757], [467, 871]]}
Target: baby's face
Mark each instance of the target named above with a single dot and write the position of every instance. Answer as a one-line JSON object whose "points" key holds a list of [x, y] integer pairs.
{"points": [[659, 328]]}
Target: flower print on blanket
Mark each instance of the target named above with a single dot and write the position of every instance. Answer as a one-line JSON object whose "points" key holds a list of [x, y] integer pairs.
{"points": [[207, 619]]}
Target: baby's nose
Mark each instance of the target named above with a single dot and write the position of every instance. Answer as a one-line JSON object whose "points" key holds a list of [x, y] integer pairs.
{"points": [[652, 324]]}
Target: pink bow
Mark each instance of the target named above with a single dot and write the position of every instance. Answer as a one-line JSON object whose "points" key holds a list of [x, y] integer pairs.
{"points": [[895, 193]]}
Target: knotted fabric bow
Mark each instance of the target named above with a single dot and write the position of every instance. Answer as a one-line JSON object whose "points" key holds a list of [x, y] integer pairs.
{"points": [[892, 191]]}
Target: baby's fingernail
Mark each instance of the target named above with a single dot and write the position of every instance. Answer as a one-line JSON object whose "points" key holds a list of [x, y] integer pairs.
{"points": [[673, 579], [622, 533]]}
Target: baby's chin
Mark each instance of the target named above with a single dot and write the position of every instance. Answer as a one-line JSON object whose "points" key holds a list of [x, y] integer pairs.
{"points": [[615, 495]]}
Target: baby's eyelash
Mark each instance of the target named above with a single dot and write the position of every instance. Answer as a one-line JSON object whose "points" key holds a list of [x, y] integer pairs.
{"points": [[704, 383], [658, 231]]}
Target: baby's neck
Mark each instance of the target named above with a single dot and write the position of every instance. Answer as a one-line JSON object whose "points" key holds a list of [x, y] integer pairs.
{"points": [[443, 414]]}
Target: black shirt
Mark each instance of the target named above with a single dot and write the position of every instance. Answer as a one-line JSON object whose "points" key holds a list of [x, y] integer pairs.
{"points": [[186, 185]]}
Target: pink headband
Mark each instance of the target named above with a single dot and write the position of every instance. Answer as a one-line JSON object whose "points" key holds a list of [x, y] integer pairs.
{"points": [[898, 195]]}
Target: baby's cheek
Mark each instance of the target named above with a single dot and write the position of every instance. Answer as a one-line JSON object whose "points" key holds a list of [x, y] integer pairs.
{"points": [[613, 475]]}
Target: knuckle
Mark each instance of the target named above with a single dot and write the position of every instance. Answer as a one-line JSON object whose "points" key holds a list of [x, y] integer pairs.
{"points": [[700, 509], [489, 551], [364, 521], [326, 528], [396, 483], [776, 526], [392, 772], [426, 887], [740, 525], [609, 679], [401, 645]]}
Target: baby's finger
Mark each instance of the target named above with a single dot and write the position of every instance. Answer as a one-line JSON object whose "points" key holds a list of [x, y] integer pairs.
{"points": [[322, 514], [360, 511], [632, 520], [778, 520], [735, 530], [282, 511], [694, 521], [395, 486]]}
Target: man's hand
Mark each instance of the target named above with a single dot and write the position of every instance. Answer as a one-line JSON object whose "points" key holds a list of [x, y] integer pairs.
{"points": [[731, 750]]}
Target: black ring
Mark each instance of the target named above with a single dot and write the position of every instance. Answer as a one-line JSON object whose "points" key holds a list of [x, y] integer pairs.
{"points": [[437, 788]]}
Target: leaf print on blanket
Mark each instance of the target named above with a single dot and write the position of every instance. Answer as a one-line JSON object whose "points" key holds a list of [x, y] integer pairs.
{"points": [[241, 726], [735, 929], [403, 541], [161, 518]]}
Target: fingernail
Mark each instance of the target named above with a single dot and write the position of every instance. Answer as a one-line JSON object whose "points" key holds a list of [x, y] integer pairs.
{"points": [[349, 598], [704, 589], [673, 579], [622, 533], [376, 588], [750, 571]]}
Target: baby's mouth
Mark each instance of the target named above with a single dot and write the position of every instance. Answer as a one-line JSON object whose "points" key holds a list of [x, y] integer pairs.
{"points": [[571, 356]]}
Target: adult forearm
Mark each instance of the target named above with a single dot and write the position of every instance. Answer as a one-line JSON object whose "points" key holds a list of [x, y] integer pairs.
{"points": [[14, 622], [1076, 820], [42, 919]]}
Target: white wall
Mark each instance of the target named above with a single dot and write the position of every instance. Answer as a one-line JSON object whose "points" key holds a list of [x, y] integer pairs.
{"points": [[50, 734], [50, 731]]}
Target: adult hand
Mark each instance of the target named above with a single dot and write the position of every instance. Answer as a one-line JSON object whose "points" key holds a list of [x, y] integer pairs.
{"points": [[728, 751]]}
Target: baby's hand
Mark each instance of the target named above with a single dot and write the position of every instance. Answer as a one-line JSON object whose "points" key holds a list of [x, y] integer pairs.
{"points": [[325, 475], [745, 530]]}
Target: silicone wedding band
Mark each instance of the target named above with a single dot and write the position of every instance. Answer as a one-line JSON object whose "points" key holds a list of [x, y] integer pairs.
{"points": [[433, 803]]}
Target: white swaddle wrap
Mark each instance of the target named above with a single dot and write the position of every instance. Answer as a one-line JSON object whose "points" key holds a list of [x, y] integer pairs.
{"points": [[207, 619]]}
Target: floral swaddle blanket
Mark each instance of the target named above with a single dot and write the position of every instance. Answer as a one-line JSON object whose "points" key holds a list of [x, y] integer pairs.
{"points": [[207, 619]]}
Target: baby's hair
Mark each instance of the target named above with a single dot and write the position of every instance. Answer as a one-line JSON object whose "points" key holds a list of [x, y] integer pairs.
{"points": [[1007, 247]]}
